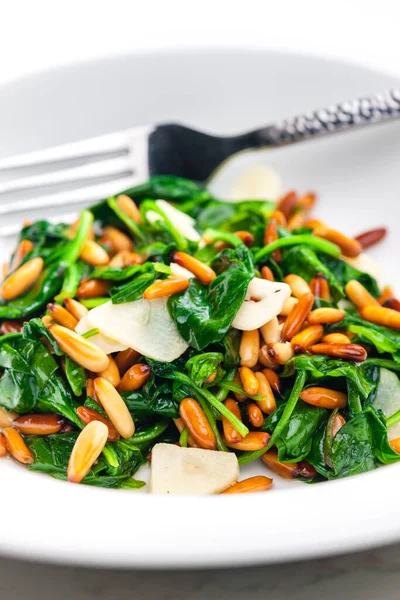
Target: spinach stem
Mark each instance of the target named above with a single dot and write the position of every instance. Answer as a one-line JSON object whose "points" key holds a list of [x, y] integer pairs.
{"points": [[382, 362], [151, 432], [183, 438], [215, 235], [234, 387], [223, 392], [294, 240], [393, 419], [75, 247]]}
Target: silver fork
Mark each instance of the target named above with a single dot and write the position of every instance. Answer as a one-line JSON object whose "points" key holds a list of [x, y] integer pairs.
{"points": [[74, 175]]}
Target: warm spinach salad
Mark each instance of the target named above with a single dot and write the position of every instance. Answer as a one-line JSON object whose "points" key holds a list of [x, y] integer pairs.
{"points": [[165, 316]]}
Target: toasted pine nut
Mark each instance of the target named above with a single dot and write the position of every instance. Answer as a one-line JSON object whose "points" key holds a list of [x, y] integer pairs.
{"points": [[180, 425], [166, 287], [394, 443], [267, 274], [92, 288], [271, 332], [119, 241], [371, 237], [90, 389], [7, 417], [196, 423], [250, 485], [279, 218], [87, 415], [284, 469], [125, 259], [298, 285], [10, 327], [5, 269], [352, 352], [3, 445], [273, 380], [94, 254], [127, 205], [268, 402], [348, 246], [271, 235], [254, 415], [381, 316], [249, 348], [202, 271], [337, 423], [125, 359], [297, 316], [255, 440], [76, 309], [249, 381], [320, 287], [47, 320], [307, 201], [16, 446], [62, 316], [22, 279], [281, 352], [306, 338], [22, 250], [386, 294], [135, 378], [296, 219], [287, 203], [335, 338], [38, 424], [211, 377], [359, 295], [324, 397], [81, 350], [306, 470], [266, 360], [246, 237], [239, 397], [288, 306], [115, 407], [87, 448], [326, 315], [393, 303], [230, 432], [111, 373]]}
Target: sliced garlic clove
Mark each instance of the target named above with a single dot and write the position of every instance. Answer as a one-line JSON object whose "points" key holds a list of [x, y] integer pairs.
{"points": [[180, 272], [264, 300], [180, 220], [257, 182]]}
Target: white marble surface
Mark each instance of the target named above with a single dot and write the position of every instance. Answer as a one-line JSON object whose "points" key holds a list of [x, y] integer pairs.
{"points": [[367, 575]]}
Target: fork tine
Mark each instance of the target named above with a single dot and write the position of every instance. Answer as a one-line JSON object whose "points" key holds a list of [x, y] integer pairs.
{"points": [[116, 166]]}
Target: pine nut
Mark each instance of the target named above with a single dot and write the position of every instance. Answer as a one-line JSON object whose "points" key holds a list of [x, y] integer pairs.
{"points": [[296, 219], [5, 269], [250, 485], [47, 320], [337, 423], [62, 316], [267, 274], [255, 440], [352, 352], [371, 237], [7, 417], [22, 279], [297, 317], [111, 373], [273, 380], [271, 332], [249, 381], [284, 469], [279, 218], [90, 389], [249, 348], [81, 350], [87, 448], [359, 295], [166, 287], [76, 309], [266, 360], [315, 224], [381, 316], [268, 402], [254, 415], [393, 303], [298, 285], [386, 294], [115, 407], [22, 250], [324, 397], [180, 425], [246, 237], [202, 271], [307, 201], [127, 205], [10, 327], [335, 338], [271, 235], [238, 381], [125, 259], [320, 287], [92, 288], [87, 415], [306, 470], [306, 338], [125, 359], [3, 445], [118, 241], [196, 423], [394, 443], [211, 378], [230, 433], [287, 203], [326, 315], [281, 352], [38, 424], [93, 254], [348, 246], [16, 446], [288, 306], [135, 378]]}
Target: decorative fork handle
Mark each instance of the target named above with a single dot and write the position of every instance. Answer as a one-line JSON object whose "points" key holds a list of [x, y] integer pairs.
{"points": [[338, 117]]}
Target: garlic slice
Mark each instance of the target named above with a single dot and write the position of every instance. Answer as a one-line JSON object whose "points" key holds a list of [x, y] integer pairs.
{"points": [[180, 272], [257, 182], [264, 300], [180, 220]]}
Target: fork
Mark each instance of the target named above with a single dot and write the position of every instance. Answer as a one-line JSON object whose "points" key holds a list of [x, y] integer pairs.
{"points": [[79, 173]]}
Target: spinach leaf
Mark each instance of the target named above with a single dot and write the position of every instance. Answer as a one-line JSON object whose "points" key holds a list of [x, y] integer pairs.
{"points": [[76, 376], [231, 344], [353, 447], [383, 338], [201, 366], [117, 273], [155, 398], [296, 440], [343, 272], [133, 289]]}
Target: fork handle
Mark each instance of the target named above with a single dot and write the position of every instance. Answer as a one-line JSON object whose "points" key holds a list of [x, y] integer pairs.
{"points": [[337, 117]]}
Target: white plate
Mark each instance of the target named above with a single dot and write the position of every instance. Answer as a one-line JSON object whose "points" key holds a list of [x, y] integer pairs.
{"points": [[356, 176]]}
